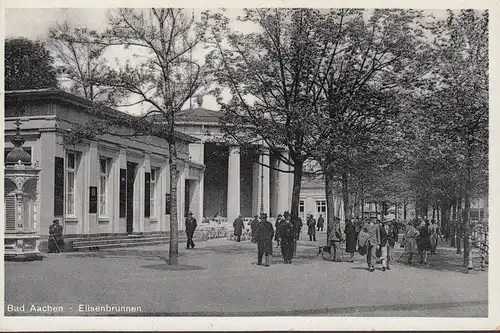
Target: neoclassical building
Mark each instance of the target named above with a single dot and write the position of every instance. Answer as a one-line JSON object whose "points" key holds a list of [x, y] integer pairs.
{"points": [[234, 181], [113, 186]]}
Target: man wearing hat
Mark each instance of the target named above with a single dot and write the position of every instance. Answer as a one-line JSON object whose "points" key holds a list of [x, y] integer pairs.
{"points": [[190, 228], [286, 234], [56, 242], [253, 227], [238, 226], [265, 233], [388, 238]]}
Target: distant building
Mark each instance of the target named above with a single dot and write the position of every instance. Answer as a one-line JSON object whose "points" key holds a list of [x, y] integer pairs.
{"points": [[112, 186]]}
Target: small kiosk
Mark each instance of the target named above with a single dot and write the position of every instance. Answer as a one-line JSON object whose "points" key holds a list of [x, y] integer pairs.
{"points": [[20, 199]]}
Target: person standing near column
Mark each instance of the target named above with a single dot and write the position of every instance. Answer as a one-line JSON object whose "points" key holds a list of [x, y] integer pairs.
{"points": [[190, 228], [311, 228], [238, 227], [265, 233], [253, 227]]}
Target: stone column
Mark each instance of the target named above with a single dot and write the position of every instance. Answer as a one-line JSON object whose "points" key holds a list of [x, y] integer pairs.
{"points": [[92, 159], [261, 185], [233, 184], [284, 186]]}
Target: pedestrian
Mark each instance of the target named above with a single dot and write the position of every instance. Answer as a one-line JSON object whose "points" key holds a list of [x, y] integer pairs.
{"points": [[434, 235], [56, 241], [388, 238], [253, 228], [265, 233], [286, 235], [311, 228], [297, 228], [424, 241], [238, 227], [410, 240], [372, 243], [279, 219], [191, 225], [321, 222], [351, 239], [334, 238]]}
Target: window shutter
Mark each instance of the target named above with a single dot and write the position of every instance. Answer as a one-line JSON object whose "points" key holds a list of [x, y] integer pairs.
{"points": [[123, 192], [59, 186], [147, 194]]}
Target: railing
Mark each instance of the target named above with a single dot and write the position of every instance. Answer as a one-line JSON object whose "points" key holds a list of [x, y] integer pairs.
{"points": [[479, 238]]}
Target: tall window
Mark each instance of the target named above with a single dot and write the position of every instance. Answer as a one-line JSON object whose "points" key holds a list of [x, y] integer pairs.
{"points": [[70, 183], [154, 175], [321, 207], [301, 209], [103, 188]]}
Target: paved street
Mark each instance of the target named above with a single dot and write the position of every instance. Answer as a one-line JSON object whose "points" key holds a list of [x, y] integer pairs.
{"points": [[220, 277]]}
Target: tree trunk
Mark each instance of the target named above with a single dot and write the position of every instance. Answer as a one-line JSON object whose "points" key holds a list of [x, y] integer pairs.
{"points": [[345, 194], [330, 202], [362, 203], [297, 181], [405, 204], [174, 237], [460, 226], [466, 217]]}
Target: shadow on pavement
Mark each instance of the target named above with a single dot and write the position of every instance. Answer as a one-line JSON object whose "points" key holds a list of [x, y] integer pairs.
{"points": [[167, 267]]}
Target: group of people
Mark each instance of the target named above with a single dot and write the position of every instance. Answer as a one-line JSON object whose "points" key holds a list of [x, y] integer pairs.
{"points": [[311, 226], [421, 237], [285, 232]]}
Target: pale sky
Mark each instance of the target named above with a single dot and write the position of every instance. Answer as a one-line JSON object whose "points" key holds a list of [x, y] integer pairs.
{"points": [[34, 23]]}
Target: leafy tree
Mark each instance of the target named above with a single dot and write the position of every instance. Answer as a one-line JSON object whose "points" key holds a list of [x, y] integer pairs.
{"points": [[365, 71], [268, 75], [28, 65], [162, 76], [79, 60]]}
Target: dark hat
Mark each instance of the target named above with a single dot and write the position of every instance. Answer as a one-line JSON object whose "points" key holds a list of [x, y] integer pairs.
{"points": [[55, 221], [286, 213], [190, 213], [279, 215], [263, 215]]}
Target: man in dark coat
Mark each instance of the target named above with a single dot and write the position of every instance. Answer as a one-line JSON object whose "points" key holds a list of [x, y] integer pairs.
{"points": [[351, 239], [279, 219], [311, 228], [56, 241], [265, 233], [388, 238], [297, 227], [321, 222], [424, 242], [190, 228], [238, 227], [253, 227], [286, 235]]}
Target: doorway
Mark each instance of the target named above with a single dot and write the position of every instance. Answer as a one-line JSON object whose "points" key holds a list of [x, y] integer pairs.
{"points": [[131, 168]]}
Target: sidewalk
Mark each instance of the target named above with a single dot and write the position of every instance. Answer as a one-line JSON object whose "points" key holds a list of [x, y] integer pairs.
{"points": [[220, 277]]}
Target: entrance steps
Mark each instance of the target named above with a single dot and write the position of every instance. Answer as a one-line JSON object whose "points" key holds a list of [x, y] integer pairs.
{"points": [[109, 242]]}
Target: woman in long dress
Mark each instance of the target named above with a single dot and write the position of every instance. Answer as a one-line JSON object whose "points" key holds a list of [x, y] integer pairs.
{"points": [[410, 240]]}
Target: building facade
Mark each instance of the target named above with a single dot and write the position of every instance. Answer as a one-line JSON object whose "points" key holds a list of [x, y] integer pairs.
{"points": [[112, 186], [234, 182]]}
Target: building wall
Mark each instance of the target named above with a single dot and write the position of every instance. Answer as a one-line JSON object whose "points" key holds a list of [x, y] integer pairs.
{"points": [[43, 126]]}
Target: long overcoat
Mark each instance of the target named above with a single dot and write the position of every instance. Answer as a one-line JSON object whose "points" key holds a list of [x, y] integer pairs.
{"points": [[410, 239], [424, 242], [238, 226], [265, 233], [350, 237], [311, 226]]}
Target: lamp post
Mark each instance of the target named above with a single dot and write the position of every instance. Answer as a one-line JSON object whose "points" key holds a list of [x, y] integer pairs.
{"points": [[262, 185]]}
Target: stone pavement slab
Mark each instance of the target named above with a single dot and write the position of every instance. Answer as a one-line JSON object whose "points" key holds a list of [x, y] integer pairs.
{"points": [[221, 278]]}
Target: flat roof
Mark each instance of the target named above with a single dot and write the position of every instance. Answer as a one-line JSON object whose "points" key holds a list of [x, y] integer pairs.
{"points": [[57, 94]]}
